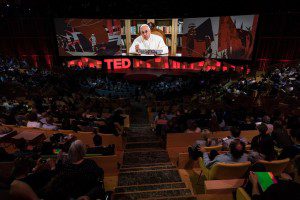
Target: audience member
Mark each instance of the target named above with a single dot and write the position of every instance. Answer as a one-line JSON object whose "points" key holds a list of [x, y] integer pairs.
{"points": [[292, 150], [236, 154], [284, 189], [79, 174], [280, 135], [262, 145], [33, 121], [192, 127], [235, 134], [99, 149]]}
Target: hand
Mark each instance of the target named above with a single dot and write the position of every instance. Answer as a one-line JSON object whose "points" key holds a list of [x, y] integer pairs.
{"points": [[40, 165], [286, 176], [253, 178], [60, 155], [51, 163], [202, 149], [137, 48]]}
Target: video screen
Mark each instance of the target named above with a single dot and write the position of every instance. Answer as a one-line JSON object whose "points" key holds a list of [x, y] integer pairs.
{"points": [[225, 37], [88, 37]]}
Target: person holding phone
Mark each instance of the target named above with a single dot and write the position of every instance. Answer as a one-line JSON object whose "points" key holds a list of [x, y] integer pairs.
{"points": [[284, 189]]}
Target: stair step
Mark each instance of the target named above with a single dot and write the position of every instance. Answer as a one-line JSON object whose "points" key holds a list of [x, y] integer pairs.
{"points": [[153, 194], [142, 139], [145, 157], [150, 187], [143, 145], [148, 168], [174, 198], [143, 149], [145, 165], [148, 177], [139, 125]]}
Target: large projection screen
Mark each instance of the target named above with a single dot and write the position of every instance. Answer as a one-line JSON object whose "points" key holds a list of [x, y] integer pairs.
{"points": [[224, 37]]}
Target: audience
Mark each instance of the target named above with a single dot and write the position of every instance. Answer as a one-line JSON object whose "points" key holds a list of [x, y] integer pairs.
{"points": [[80, 99]]}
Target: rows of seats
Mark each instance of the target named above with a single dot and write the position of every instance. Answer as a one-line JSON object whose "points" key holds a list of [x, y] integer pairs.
{"points": [[178, 143], [108, 163]]}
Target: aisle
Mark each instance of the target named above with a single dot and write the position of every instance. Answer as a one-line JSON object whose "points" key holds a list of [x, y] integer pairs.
{"points": [[146, 172]]}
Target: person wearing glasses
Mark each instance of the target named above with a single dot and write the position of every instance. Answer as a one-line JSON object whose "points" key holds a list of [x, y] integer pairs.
{"points": [[148, 41]]}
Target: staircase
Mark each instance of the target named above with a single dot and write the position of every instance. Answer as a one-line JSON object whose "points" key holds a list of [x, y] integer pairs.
{"points": [[146, 172]]}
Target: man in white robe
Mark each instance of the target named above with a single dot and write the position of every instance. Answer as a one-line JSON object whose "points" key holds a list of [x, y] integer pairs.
{"points": [[148, 41]]}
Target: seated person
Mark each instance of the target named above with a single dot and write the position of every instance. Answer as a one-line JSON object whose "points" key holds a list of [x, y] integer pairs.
{"points": [[77, 176], [99, 149], [20, 188], [148, 41], [27, 182], [21, 145], [288, 189], [49, 124], [292, 150], [280, 135], [262, 146], [33, 121], [4, 156], [235, 134], [205, 141], [247, 124], [160, 117], [192, 127], [236, 154], [266, 120]]}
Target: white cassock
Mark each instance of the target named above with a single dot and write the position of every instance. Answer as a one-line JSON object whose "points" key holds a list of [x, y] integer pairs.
{"points": [[154, 42]]}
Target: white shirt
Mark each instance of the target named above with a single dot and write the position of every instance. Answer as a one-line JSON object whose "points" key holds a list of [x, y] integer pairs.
{"points": [[34, 124], [49, 127], [154, 42]]}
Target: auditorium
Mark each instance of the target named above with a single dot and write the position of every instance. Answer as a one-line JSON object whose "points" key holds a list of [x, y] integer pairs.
{"points": [[149, 100]]}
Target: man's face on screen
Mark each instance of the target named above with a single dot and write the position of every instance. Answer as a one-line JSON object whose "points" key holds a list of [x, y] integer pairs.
{"points": [[145, 32]]}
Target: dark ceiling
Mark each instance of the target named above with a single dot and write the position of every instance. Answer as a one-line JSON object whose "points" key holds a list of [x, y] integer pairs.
{"points": [[141, 9]]}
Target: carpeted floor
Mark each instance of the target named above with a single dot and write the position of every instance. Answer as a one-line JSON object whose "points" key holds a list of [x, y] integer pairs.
{"points": [[146, 172]]}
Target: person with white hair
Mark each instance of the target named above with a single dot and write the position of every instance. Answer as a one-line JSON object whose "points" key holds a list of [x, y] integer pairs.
{"points": [[82, 176], [148, 41]]}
